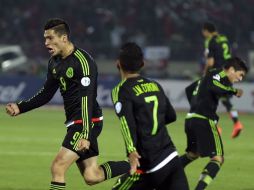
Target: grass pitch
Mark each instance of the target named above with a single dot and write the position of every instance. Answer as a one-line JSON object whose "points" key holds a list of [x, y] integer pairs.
{"points": [[29, 142]]}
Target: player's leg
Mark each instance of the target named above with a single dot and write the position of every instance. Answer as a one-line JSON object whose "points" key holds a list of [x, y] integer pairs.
{"points": [[94, 173], [63, 160], [233, 115], [88, 163], [67, 155], [209, 144], [175, 176], [191, 150], [137, 181]]}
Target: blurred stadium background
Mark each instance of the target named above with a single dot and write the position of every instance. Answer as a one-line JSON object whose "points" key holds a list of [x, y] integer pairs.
{"points": [[169, 31]]}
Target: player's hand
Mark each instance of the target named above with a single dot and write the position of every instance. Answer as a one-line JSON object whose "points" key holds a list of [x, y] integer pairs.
{"points": [[239, 93], [12, 109], [83, 145], [134, 161]]}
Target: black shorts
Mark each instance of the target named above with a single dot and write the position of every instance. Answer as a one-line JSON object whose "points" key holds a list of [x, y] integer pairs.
{"points": [[203, 137], [171, 176], [74, 134]]}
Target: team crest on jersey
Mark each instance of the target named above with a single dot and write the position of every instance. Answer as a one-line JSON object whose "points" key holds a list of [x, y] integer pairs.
{"points": [[85, 81], [118, 107], [54, 71], [216, 77], [69, 72]]}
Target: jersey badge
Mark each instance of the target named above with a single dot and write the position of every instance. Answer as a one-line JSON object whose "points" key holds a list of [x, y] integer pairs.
{"points": [[216, 77], [85, 81], [69, 72], [118, 107], [54, 71]]}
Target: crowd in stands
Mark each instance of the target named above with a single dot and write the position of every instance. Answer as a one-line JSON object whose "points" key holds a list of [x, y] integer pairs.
{"points": [[100, 26]]}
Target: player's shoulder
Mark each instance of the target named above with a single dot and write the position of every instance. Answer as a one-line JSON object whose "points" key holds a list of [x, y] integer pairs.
{"points": [[216, 74], [221, 38], [83, 55]]}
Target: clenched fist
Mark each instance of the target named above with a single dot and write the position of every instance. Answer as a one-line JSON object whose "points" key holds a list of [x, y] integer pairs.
{"points": [[12, 109]]}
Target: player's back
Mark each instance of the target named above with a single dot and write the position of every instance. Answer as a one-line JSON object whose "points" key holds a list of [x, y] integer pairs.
{"points": [[151, 112], [219, 49]]}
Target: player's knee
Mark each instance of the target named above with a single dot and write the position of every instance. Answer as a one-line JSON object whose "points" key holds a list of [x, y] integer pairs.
{"points": [[93, 176], [219, 159], [57, 166]]}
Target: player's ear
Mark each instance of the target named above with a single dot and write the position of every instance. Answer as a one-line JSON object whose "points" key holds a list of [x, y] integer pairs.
{"points": [[65, 38], [118, 64]]}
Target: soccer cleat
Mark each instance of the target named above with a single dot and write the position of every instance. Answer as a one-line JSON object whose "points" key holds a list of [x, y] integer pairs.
{"points": [[238, 127], [219, 130]]}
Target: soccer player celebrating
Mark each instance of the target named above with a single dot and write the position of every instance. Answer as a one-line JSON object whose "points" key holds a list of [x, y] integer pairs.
{"points": [[74, 71], [144, 111], [203, 139], [217, 52]]}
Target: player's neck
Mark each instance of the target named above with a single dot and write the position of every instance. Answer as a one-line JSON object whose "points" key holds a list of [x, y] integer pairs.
{"points": [[129, 75], [68, 50]]}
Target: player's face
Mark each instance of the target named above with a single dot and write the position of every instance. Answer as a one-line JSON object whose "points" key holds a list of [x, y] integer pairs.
{"points": [[54, 42], [235, 76], [205, 33]]}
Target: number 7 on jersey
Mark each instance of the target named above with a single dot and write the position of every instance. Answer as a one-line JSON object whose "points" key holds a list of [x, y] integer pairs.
{"points": [[153, 99]]}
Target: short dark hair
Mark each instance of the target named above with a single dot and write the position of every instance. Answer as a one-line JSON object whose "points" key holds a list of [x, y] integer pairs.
{"points": [[237, 63], [58, 25], [209, 26], [131, 57]]}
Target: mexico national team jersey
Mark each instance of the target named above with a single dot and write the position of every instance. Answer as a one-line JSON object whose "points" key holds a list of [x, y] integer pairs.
{"points": [[219, 49], [214, 85], [76, 76], [144, 111]]}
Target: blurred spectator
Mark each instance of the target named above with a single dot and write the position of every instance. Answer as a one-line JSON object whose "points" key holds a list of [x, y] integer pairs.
{"points": [[101, 26]]}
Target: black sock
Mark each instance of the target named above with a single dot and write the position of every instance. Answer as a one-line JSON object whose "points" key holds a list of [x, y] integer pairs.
{"points": [[57, 186], [208, 174], [185, 159], [234, 115], [112, 169], [235, 119]]}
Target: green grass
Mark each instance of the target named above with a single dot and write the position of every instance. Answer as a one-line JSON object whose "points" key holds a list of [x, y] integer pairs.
{"points": [[28, 144]]}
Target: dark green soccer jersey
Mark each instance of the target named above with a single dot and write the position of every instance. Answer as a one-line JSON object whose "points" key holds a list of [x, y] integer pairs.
{"points": [[212, 86], [76, 76], [144, 110], [219, 49]]}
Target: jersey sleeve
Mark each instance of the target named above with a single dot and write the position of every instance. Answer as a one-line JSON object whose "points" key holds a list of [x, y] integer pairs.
{"points": [[170, 114], [124, 110], [191, 90], [220, 88], [211, 48], [87, 78], [42, 97]]}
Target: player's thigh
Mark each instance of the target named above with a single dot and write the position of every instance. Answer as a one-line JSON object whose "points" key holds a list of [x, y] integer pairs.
{"points": [[97, 128], [89, 163], [171, 176], [176, 180], [64, 159], [191, 136], [72, 137], [74, 134], [208, 139]]}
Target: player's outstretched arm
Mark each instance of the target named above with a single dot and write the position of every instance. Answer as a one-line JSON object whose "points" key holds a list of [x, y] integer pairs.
{"points": [[12, 109]]}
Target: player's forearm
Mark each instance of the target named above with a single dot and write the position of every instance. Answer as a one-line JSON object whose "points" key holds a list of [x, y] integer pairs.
{"points": [[41, 98], [221, 89]]}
